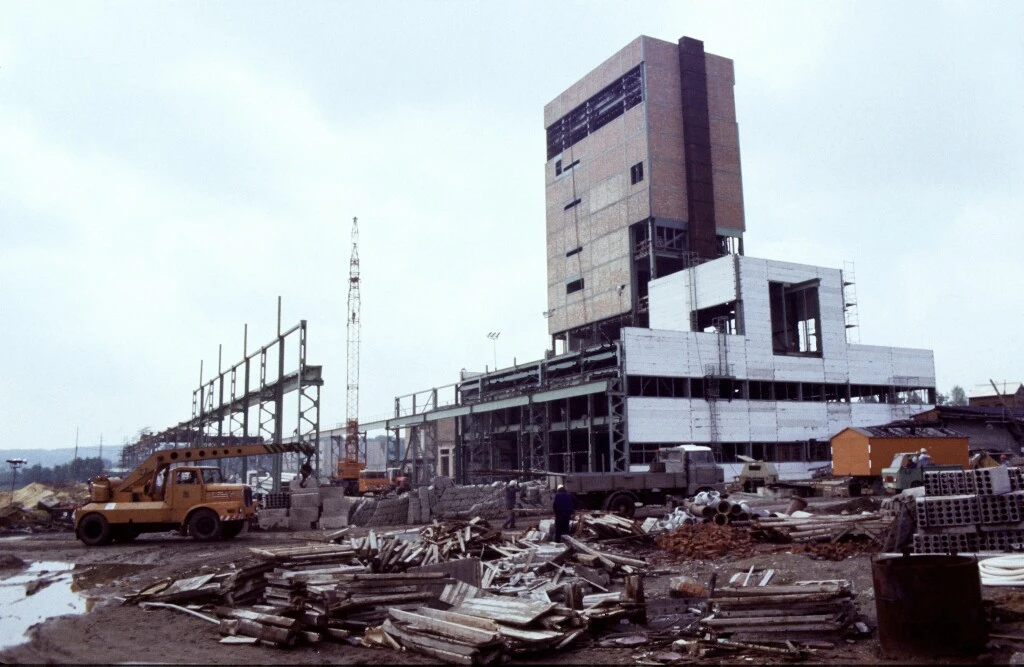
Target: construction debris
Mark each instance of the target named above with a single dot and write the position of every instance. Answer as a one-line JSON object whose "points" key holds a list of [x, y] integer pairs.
{"points": [[805, 611], [708, 541], [454, 591]]}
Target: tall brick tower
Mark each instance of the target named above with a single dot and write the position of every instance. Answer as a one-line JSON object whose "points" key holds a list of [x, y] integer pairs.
{"points": [[642, 180]]}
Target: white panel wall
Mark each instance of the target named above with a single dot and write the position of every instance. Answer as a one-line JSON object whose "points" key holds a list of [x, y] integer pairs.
{"points": [[669, 349], [914, 363], [670, 296], [659, 419], [870, 364], [799, 369], [669, 302]]}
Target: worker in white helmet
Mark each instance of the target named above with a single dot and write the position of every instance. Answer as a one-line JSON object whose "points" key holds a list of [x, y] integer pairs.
{"points": [[511, 491], [924, 458]]}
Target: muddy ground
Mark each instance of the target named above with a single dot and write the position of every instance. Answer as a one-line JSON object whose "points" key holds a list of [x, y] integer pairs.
{"points": [[111, 633]]}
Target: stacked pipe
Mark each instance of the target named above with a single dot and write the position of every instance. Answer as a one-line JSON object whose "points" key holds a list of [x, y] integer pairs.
{"points": [[719, 511]]}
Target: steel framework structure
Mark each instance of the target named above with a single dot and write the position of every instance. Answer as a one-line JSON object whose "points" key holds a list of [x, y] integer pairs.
{"points": [[222, 407]]}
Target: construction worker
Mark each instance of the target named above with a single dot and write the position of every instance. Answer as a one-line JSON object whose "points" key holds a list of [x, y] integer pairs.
{"points": [[1004, 460], [563, 505], [511, 491], [924, 458]]}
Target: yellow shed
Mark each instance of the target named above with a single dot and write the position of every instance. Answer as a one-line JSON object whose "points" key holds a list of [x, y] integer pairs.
{"points": [[863, 451]]}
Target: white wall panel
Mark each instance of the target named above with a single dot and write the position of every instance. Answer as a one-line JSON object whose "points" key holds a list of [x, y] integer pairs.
{"points": [[659, 419], [669, 302], [799, 369], [870, 364]]}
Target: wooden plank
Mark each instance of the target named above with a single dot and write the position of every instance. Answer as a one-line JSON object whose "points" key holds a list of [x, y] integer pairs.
{"points": [[768, 620], [510, 611], [464, 633], [448, 652]]}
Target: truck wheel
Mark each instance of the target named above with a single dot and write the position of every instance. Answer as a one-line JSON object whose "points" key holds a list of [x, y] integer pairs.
{"points": [[622, 504], [205, 525], [232, 529], [94, 530]]}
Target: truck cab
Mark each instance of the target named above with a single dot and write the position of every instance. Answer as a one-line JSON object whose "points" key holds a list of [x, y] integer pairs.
{"points": [[904, 474]]}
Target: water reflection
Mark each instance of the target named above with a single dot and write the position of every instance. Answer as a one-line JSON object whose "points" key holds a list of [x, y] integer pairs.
{"points": [[48, 589]]}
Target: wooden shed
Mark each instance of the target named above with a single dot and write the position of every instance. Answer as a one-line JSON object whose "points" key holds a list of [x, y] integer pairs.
{"points": [[866, 450]]}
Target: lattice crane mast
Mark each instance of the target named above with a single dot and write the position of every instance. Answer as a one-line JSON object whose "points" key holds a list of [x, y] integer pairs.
{"points": [[349, 466]]}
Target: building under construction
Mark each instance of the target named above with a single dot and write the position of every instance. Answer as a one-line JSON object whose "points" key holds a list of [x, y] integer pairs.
{"points": [[662, 331]]}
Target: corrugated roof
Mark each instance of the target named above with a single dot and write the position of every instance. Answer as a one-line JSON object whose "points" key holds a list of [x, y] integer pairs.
{"points": [[907, 431]]}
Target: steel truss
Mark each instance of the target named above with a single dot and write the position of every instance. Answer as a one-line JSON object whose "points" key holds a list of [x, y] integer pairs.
{"points": [[222, 406]]}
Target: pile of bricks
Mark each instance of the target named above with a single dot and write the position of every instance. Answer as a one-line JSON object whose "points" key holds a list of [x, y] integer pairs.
{"points": [[708, 541], [970, 510]]}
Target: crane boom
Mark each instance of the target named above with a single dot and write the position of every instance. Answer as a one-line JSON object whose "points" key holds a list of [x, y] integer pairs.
{"points": [[349, 466]]}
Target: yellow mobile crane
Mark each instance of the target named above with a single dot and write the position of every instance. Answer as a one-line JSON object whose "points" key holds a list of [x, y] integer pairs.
{"points": [[172, 490]]}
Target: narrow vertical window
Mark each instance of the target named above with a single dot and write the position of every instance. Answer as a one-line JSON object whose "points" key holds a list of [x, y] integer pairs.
{"points": [[636, 173]]}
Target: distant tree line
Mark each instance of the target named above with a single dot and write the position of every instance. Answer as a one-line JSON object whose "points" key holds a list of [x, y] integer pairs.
{"points": [[956, 396], [79, 470]]}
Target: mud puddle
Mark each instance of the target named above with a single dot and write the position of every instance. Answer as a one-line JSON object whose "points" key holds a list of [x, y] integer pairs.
{"points": [[48, 589]]}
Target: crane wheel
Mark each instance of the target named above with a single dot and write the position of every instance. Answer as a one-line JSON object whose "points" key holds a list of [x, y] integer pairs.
{"points": [[622, 504], [205, 525], [232, 529], [94, 530]]}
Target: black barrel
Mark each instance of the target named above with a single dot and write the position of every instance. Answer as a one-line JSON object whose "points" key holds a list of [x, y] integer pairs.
{"points": [[929, 605]]}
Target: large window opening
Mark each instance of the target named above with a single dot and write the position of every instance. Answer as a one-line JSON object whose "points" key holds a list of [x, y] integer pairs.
{"points": [[796, 318]]}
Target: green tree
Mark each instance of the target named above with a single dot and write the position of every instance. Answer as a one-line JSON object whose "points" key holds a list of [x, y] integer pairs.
{"points": [[957, 396]]}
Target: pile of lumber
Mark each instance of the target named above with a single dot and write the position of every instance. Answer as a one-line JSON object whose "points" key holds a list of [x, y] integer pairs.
{"points": [[805, 611], [298, 594], [483, 630], [614, 564], [438, 542], [821, 528], [605, 525]]}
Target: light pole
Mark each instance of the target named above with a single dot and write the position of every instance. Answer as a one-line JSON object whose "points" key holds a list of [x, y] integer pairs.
{"points": [[494, 339], [15, 464]]}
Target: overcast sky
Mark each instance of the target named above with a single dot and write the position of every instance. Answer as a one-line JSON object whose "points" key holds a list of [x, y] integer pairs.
{"points": [[167, 170]]}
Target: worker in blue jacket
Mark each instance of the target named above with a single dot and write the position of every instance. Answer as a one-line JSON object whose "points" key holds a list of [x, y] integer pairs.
{"points": [[563, 505]]}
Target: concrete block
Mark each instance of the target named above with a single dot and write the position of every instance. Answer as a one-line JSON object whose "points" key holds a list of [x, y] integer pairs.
{"points": [[273, 519], [303, 519], [312, 485], [331, 492], [333, 522], [337, 506], [305, 500], [992, 481]]}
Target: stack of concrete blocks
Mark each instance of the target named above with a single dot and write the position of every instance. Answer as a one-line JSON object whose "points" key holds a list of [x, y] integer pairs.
{"points": [[334, 507], [970, 510], [304, 508], [444, 500]]}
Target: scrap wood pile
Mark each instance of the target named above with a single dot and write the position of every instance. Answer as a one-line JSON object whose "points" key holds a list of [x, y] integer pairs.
{"points": [[816, 613], [605, 525], [482, 629], [369, 590], [297, 594], [821, 528], [438, 542]]}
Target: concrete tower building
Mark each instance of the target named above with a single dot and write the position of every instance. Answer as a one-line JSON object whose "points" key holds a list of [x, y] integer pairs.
{"points": [[642, 181], [663, 331]]}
